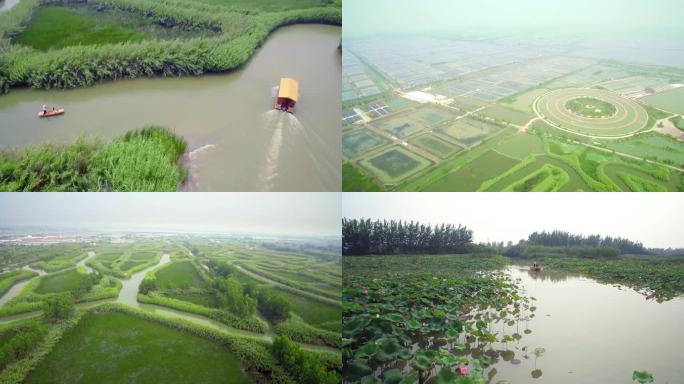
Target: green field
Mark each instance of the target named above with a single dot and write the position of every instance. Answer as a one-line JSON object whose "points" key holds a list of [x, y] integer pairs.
{"points": [[650, 145], [435, 145], [355, 143], [354, 180], [58, 27], [590, 107], [678, 122], [119, 348], [66, 281], [180, 274], [395, 164], [473, 174], [672, 100], [314, 312], [523, 101], [573, 184], [520, 145], [547, 179], [508, 115]]}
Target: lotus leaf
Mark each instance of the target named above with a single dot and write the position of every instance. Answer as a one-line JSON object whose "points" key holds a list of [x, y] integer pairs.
{"points": [[358, 368], [642, 377], [446, 376], [392, 376]]}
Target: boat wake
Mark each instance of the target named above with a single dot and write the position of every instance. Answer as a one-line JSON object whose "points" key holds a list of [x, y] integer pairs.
{"points": [[196, 153], [281, 124], [191, 160]]}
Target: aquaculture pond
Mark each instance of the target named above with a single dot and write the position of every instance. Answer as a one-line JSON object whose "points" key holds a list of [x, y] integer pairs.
{"points": [[551, 327], [236, 140]]}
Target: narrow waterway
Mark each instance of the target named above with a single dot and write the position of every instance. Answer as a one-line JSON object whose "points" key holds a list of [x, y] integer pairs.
{"points": [[237, 142], [17, 287], [129, 291], [588, 332], [82, 263]]}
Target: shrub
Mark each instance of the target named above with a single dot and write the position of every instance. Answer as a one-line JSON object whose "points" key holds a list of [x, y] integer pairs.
{"points": [[304, 366], [20, 341], [297, 330], [58, 307], [274, 306]]}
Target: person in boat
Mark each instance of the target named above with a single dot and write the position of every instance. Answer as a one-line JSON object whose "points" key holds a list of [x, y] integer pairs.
{"points": [[44, 109], [535, 265]]}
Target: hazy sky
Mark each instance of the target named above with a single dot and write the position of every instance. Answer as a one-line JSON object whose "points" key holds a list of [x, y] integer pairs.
{"points": [[275, 213], [652, 218], [362, 17]]}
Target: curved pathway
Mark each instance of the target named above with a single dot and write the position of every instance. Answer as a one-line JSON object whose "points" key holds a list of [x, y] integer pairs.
{"points": [[550, 107]]}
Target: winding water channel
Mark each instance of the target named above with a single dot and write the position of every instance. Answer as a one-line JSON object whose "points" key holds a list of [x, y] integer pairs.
{"points": [[592, 333], [236, 141]]}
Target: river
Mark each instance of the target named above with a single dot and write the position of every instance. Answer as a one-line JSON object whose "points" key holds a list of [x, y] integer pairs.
{"points": [[593, 333], [236, 141], [17, 287], [129, 291], [82, 263]]}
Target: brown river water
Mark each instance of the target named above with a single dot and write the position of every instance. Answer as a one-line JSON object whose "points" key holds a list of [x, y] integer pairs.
{"points": [[592, 333], [237, 142]]}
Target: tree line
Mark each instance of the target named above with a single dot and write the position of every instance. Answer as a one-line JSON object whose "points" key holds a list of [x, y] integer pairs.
{"points": [[382, 237], [567, 239]]}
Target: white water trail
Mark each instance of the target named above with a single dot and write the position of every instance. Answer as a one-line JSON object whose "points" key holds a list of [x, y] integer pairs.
{"points": [[190, 159], [194, 154], [274, 120]]}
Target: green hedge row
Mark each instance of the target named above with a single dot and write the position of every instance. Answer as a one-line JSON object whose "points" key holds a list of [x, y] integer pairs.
{"points": [[16, 372], [248, 324], [302, 332]]}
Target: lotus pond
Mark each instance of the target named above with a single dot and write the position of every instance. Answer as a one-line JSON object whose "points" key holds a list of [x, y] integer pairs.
{"points": [[419, 319]]}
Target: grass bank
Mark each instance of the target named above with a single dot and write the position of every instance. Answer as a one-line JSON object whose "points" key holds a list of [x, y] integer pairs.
{"points": [[147, 160], [239, 32]]}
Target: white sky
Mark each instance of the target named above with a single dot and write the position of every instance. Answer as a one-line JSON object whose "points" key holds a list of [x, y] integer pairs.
{"points": [[272, 213], [626, 17], [652, 218]]}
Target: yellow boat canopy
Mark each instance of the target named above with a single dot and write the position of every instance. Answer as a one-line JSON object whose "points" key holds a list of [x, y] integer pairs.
{"points": [[289, 89]]}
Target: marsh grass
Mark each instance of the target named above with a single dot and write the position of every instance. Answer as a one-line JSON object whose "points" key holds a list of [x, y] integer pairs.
{"points": [[134, 348], [59, 27], [144, 160]]}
